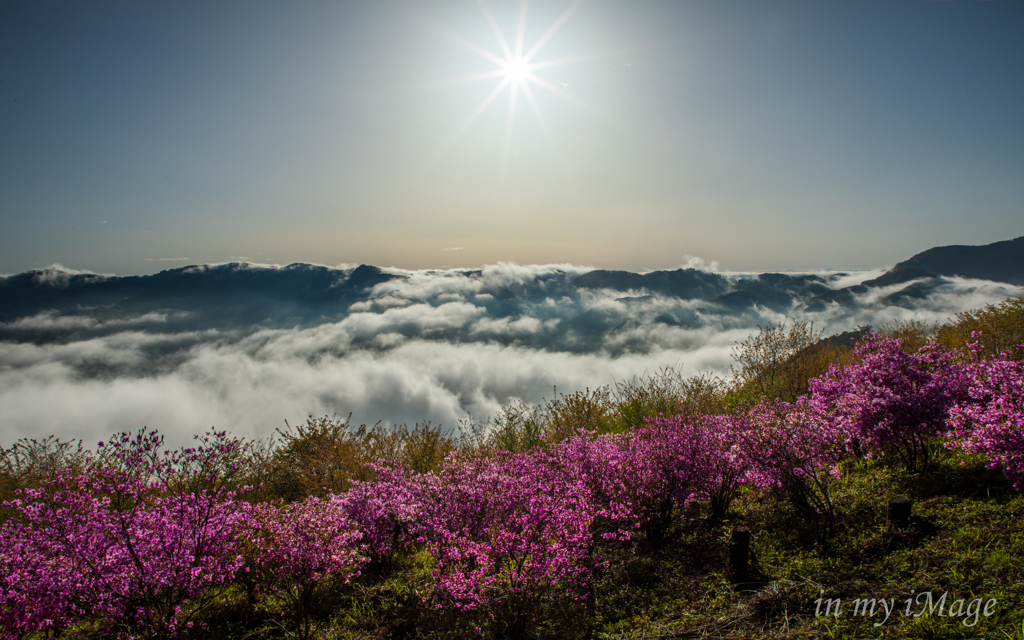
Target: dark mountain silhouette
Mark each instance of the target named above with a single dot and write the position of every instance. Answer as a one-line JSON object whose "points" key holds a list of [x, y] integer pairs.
{"points": [[686, 284], [999, 261], [235, 293], [775, 291], [56, 304]]}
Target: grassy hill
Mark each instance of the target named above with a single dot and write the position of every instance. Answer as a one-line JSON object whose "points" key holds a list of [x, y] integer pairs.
{"points": [[951, 570]]}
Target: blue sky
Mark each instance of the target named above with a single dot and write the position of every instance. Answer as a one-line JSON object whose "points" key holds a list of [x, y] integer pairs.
{"points": [[136, 137]]}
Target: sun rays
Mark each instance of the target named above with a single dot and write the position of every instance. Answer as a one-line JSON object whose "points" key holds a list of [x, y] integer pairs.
{"points": [[514, 71]]}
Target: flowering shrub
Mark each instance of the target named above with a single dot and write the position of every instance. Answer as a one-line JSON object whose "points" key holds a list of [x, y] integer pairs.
{"points": [[889, 400], [602, 465], [704, 455], [788, 448], [115, 544], [54, 567], [639, 481], [296, 549], [507, 533], [669, 464], [137, 541], [661, 475], [388, 510], [992, 420]]}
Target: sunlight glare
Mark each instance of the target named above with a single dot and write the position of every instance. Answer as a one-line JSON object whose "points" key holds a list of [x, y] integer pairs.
{"points": [[514, 68], [517, 70]]}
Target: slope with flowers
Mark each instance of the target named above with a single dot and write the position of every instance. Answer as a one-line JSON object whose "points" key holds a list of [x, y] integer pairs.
{"points": [[597, 515]]}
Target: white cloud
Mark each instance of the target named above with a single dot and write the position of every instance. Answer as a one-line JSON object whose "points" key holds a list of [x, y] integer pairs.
{"points": [[52, 320], [432, 345], [700, 264], [509, 326], [57, 275], [226, 387], [845, 279]]}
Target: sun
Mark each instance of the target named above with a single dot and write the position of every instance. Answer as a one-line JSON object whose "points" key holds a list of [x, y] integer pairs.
{"points": [[517, 70], [514, 70]]}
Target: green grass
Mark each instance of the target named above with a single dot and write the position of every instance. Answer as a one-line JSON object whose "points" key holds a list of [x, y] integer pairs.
{"points": [[966, 542], [966, 539]]}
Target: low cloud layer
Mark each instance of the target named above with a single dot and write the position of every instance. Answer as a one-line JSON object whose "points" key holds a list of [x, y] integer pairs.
{"points": [[401, 347]]}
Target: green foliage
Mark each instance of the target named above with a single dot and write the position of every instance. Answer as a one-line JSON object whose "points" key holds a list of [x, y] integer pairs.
{"points": [[515, 428], [647, 396], [666, 392], [258, 470], [424, 447], [325, 455], [583, 410], [964, 545], [1000, 326], [316, 458], [779, 360], [913, 334]]}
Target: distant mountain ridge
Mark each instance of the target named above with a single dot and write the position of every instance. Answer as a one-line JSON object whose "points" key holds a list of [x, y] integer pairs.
{"points": [[999, 261], [240, 295], [772, 290], [297, 290]]}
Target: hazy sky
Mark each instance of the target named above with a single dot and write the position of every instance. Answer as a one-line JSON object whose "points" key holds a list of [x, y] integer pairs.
{"points": [[139, 136]]}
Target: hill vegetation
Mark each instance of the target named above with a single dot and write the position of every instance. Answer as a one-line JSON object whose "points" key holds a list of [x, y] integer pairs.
{"points": [[620, 512]]}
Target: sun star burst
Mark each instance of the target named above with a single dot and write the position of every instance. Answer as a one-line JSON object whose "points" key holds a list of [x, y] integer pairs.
{"points": [[514, 70]]}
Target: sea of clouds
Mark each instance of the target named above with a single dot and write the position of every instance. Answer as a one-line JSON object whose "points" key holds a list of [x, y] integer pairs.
{"points": [[442, 346]]}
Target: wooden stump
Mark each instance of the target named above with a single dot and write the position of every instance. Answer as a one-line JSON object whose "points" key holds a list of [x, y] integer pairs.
{"points": [[899, 512], [739, 554]]}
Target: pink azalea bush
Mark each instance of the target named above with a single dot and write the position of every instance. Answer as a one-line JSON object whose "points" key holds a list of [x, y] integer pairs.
{"points": [[642, 481], [889, 400], [661, 476], [144, 539], [298, 549], [991, 421], [704, 456], [54, 566], [601, 465], [117, 546], [508, 533], [389, 511], [788, 448]]}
